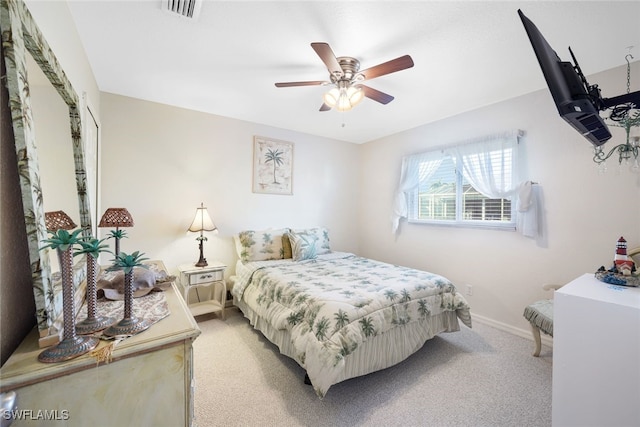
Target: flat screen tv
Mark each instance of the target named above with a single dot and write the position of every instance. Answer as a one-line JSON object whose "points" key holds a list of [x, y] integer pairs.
{"points": [[577, 102]]}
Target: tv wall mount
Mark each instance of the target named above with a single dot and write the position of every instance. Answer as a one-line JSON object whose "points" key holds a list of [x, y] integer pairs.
{"points": [[620, 105]]}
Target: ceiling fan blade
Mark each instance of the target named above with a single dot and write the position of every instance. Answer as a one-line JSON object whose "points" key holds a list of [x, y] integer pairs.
{"points": [[328, 57], [376, 95], [398, 64], [325, 107], [309, 83]]}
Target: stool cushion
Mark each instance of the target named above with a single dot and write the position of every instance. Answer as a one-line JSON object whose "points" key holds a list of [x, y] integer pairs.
{"points": [[540, 314]]}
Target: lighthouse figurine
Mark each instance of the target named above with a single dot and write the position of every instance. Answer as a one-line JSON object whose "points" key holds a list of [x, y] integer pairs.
{"points": [[621, 260]]}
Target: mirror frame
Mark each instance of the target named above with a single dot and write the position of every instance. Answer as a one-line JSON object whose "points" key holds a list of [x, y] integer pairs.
{"points": [[21, 36], [93, 128]]}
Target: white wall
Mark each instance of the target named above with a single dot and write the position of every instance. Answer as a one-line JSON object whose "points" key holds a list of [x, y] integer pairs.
{"points": [[586, 212], [160, 162]]}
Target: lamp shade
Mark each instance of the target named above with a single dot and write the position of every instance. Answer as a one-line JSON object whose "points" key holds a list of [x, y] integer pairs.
{"points": [[202, 220], [58, 220], [343, 97], [116, 217]]}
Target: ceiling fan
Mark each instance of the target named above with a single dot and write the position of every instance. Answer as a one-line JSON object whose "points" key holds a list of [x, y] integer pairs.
{"points": [[346, 78]]}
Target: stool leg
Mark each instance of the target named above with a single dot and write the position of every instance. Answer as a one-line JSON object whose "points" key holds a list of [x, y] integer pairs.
{"points": [[536, 339]]}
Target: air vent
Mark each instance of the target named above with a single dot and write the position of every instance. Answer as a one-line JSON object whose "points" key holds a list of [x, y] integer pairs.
{"points": [[186, 8]]}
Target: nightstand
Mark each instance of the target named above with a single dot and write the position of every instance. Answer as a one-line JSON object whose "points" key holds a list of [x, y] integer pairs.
{"points": [[209, 284]]}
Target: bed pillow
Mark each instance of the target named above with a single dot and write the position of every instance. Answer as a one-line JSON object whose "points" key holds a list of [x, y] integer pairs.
{"points": [[260, 245], [322, 235], [303, 245]]}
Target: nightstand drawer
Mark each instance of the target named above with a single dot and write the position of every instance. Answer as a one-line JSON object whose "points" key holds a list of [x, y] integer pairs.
{"points": [[210, 276]]}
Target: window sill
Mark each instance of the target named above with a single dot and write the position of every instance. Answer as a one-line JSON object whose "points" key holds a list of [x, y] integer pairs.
{"points": [[508, 226]]}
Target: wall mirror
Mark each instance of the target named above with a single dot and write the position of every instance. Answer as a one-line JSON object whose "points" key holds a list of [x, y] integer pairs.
{"points": [[55, 153], [21, 38]]}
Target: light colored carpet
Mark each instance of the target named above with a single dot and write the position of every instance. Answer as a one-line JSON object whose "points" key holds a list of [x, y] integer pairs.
{"points": [[474, 377]]}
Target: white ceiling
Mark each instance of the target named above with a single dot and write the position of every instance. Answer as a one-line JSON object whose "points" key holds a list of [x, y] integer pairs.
{"points": [[466, 54]]}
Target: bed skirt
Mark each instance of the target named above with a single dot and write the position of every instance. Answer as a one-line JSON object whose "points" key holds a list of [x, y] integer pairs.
{"points": [[379, 352]]}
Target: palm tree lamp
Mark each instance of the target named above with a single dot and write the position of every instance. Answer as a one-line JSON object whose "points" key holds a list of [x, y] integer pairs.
{"points": [[92, 248], [62, 241], [116, 217], [202, 222], [130, 324]]}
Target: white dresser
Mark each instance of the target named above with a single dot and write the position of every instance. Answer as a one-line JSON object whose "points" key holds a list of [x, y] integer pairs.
{"points": [[596, 354], [149, 381]]}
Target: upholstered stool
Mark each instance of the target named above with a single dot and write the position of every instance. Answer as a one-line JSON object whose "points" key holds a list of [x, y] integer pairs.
{"points": [[540, 315]]}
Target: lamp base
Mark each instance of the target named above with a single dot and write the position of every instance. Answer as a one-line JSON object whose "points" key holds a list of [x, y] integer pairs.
{"points": [[68, 348], [131, 326], [89, 326], [202, 262]]}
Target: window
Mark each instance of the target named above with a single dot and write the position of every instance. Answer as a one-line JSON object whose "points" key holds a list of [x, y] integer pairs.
{"points": [[469, 184], [448, 196]]}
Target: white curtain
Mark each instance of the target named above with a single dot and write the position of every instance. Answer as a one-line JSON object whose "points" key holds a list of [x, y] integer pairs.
{"points": [[486, 164], [415, 168]]}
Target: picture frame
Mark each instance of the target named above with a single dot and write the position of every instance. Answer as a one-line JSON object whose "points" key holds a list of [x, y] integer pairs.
{"points": [[272, 166]]}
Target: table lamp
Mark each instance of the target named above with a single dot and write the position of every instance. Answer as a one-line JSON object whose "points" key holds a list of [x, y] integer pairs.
{"points": [[116, 217], [202, 222]]}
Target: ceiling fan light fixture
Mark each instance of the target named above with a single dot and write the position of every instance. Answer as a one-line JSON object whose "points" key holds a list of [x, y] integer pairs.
{"points": [[343, 97], [331, 98], [355, 95], [347, 79]]}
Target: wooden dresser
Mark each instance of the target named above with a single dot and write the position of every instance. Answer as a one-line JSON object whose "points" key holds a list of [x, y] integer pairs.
{"points": [[149, 381]]}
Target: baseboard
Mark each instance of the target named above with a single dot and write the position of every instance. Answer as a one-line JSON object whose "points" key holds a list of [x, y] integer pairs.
{"points": [[545, 339]]}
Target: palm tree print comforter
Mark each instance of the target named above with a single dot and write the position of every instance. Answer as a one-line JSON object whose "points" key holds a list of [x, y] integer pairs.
{"points": [[334, 303]]}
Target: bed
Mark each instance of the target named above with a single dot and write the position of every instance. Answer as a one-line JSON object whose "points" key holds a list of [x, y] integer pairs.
{"points": [[338, 315]]}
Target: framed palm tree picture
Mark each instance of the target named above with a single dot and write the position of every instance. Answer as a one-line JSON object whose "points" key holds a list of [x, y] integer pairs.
{"points": [[272, 166]]}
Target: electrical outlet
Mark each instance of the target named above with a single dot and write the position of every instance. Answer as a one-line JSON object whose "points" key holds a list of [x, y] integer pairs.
{"points": [[469, 290]]}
